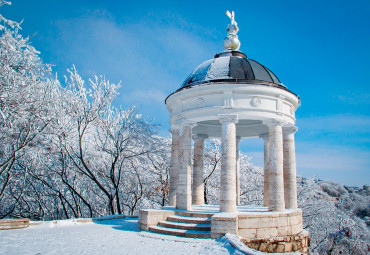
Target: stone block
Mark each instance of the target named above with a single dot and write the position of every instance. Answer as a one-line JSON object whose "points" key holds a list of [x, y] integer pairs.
{"points": [[284, 230], [279, 244], [288, 247], [247, 232], [144, 227], [249, 223], [294, 220], [14, 223], [296, 229], [266, 232], [272, 247], [222, 223], [151, 217], [295, 247], [294, 212], [263, 247], [282, 221], [280, 248], [303, 242], [268, 222]]}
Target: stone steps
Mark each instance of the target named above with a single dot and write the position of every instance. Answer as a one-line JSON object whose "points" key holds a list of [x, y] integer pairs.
{"points": [[181, 232], [186, 224], [187, 219], [195, 214]]}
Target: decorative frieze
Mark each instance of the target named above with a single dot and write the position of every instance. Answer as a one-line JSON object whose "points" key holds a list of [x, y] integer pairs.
{"points": [[256, 101]]}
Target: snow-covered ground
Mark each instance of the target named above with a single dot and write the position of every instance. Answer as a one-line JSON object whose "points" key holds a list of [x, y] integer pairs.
{"points": [[118, 236]]}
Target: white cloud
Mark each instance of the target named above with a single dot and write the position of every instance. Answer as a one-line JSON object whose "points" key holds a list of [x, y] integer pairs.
{"points": [[157, 54]]}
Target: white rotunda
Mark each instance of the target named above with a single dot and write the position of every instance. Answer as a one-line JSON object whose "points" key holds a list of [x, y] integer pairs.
{"points": [[233, 97]]}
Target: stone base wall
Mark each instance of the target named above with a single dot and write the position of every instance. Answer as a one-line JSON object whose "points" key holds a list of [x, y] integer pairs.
{"points": [[270, 224], [151, 217], [223, 223], [282, 244]]}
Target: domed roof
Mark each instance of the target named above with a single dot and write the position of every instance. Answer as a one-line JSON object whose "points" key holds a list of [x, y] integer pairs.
{"points": [[231, 67]]}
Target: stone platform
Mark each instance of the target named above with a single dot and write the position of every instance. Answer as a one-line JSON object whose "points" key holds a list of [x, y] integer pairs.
{"points": [[6, 224], [255, 224]]}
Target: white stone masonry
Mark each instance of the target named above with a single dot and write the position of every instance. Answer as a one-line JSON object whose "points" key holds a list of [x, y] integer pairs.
{"points": [[183, 194], [237, 171], [174, 165], [266, 191], [290, 180], [198, 186], [276, 179], [228, 163]]}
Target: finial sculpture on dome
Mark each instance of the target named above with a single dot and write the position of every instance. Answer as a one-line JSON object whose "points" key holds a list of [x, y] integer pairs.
{"points": [[231, 42]]}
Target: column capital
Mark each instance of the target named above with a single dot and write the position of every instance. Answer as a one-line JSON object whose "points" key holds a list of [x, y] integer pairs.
{"points": [[185, 123], [197, 137], [174, 130], [228, 118], [264, 136], [289, 129]]}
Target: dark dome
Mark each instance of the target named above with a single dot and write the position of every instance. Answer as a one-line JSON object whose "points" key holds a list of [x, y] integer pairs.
{"points": [[231, 67]]}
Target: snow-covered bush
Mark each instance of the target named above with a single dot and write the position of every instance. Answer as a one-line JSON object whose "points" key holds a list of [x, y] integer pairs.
{"points": [[333, 189]]}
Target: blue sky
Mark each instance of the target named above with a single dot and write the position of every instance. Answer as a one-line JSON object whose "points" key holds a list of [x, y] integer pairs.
{"points": [[318, 49]]}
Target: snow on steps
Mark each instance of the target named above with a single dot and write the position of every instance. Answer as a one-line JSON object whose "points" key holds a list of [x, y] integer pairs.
{"points": [[187, 219], [195, 214], [186, 224], [181, 232]]}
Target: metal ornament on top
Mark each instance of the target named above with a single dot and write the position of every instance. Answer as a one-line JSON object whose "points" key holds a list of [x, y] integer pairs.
{"points": [[231, 42]]}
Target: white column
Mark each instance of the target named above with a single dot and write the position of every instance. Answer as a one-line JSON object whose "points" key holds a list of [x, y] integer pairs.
{"points": [[228, 163], [237, 171], [266, 191], [290, 179], [276, 179], [174, 166], [198, 186], [183, 194]]}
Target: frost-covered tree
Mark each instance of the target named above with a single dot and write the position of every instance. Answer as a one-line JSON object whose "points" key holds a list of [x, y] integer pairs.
{"points": [[212, 166], [26, 109], [65, 151]]}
